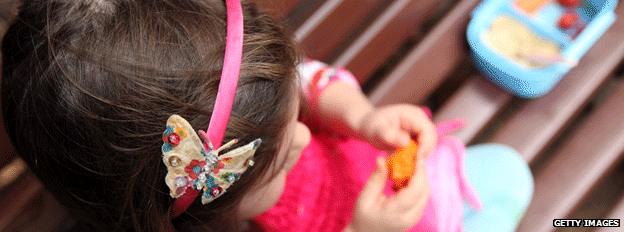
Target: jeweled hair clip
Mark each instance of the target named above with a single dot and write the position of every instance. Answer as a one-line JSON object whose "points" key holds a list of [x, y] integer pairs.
{"points": [[191, 165]]}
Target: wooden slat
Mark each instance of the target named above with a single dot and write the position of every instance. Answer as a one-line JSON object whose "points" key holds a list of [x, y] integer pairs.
{"points": [[476, 102], [385, 36], [43, 214], [532, 128], [300, 14], [574, 169], [8, 11], [16, 197], [618, 210], [616, 213], [334, 21], [279, 9], [11, 172], [428, 64]]}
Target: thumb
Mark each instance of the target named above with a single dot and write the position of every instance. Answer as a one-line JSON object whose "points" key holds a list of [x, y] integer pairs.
{"points": [[373, 190], [394, 138], [402, 139]]}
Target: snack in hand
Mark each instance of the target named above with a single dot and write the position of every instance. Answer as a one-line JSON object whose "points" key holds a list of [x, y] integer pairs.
{"points": [[402, 165]]}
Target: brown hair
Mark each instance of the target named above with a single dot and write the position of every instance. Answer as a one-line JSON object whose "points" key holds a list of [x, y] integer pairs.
{"points": [[89, 84]]}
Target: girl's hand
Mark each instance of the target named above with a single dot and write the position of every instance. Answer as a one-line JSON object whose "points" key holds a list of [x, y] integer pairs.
{"points": [[393, 126], [375, 212]]}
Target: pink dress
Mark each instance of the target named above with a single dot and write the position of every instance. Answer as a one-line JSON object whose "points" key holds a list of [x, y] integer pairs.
{"points": [[322, 188]]}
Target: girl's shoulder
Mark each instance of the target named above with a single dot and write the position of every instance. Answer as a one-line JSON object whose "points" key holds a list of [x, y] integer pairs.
{"points": [[316, 76]]}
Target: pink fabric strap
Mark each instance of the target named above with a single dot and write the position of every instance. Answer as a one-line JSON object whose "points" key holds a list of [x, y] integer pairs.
{"points": [[225, 95]]}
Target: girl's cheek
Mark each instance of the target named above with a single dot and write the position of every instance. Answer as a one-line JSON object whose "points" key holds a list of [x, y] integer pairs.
{"points": [[262, 199], [301, 140], [293, 158], [302, 136]]}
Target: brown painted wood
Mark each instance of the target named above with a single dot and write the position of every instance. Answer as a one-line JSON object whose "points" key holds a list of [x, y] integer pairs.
{"points": [[332, 23], [8, 11], [43, 214], [594, 148], [300, 14], [279, 9], [616, 213], [535, 125], [429, 63], [476, 102], [16, 197], [11, 172], [380, 40], [618, 210]]}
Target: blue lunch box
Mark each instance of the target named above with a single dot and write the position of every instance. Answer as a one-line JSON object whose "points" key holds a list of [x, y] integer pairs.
{"points": [[529, 82]]}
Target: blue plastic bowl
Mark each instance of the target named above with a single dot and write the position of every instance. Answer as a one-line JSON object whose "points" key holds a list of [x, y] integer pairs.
{"points": [[535, 82]]}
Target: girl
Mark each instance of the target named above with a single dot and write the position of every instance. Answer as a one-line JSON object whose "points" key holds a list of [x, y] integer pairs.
{"points": [[89, 86]]}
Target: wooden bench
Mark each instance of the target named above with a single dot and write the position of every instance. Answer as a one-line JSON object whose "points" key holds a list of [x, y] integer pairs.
{"points": [[415, 51], [618, 212]]}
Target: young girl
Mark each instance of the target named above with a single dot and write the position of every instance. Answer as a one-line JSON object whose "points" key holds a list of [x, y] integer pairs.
{"points": [[89, 86]]}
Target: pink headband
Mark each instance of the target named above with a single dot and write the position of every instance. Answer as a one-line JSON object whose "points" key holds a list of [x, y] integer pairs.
{"points": [[225, 95]]}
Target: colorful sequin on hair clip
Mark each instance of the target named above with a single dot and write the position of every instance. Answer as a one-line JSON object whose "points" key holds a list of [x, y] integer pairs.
{"points": [[191, 165], [171, 137]]}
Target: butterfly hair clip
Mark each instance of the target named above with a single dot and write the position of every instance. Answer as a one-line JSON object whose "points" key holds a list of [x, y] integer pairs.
{"points": [[192, 165]]}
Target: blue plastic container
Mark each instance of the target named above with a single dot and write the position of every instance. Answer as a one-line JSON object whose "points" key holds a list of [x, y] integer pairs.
{"points": [[535, 82]]}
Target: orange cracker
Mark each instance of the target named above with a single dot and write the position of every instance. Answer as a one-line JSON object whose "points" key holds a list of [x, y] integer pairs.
{"points": [[402, 165]]}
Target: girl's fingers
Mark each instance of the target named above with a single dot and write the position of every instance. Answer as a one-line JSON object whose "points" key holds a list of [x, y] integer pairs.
{"points": [[373, 190], [422, 197], [421, 202], [394, 135], [420, 125], [402, 139], [418, 184], [428, 141]]}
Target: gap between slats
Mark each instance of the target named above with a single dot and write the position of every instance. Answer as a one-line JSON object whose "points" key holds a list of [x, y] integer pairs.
{"points": [[16, 197]]}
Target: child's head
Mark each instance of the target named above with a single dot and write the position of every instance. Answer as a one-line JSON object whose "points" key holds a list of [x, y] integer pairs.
{"points": [[89, 84]]}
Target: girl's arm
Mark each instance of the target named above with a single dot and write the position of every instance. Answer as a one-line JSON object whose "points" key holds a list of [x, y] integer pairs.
{"points": [[328, 90], [343, 108], [340, 106]]}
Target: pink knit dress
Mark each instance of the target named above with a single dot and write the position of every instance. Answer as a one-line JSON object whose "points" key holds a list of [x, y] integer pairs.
{"points": [[321, 190]]}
